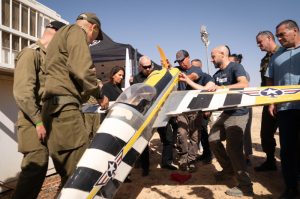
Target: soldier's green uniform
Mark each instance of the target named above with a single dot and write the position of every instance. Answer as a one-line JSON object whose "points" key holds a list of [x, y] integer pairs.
{"points": [[92, 120], [264, 66], [69, 81], [27, 89]]}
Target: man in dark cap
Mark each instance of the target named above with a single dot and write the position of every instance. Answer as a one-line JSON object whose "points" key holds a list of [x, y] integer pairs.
{"points": [[70, 80], [28, 89], [188, 124]]}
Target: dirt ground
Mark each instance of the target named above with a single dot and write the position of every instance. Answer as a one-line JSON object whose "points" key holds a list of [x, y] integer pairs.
{"points": [[202, 184]]}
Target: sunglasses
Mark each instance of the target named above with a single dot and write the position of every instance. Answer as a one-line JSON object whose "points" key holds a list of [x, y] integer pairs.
{"points": [[147, 67], [179, 61]]}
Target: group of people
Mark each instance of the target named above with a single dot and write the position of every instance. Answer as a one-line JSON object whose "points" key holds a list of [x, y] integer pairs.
{"points": [[56, 75], [53, 77]]}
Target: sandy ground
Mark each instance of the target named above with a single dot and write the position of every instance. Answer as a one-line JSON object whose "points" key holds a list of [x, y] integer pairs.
{"points": [[202, 184]]}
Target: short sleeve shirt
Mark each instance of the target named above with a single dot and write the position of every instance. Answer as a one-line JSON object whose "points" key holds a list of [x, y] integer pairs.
{"points": [[229, 76], [204, 79], [193, 69], [284, 69]]}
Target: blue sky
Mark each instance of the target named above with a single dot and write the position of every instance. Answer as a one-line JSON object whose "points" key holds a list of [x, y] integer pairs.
{"points": [[175, 24]]}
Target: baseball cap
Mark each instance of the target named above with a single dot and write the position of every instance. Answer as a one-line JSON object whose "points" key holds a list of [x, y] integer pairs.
{"points": [[93, 19], [56, 25], [180, 55]]}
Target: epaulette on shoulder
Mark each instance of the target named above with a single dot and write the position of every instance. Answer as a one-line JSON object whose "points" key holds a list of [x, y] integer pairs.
{"points": [[34, 46]]}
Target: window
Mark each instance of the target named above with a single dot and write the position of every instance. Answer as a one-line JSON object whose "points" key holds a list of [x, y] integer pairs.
{"points": [[15, 43], [39, 26], [24, 43], [15, 15], [32, 22], [5, 47], [15, 47], [5, 12], [46, 21], [24, 19]]}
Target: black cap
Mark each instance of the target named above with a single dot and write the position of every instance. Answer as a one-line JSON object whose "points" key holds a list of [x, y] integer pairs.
{"points": [[180, 55], [56, 25], [93, 19]]}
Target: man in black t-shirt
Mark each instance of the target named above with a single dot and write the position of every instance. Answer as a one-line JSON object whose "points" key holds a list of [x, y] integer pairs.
{"points": [[230, 126]]}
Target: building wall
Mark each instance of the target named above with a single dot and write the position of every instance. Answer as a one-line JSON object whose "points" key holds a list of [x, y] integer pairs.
{"points": [[22, 22], [10, 158]]}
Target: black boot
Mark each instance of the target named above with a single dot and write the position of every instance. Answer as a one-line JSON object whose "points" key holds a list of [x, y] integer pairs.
{"points": [[268, 165], [290, 193]]}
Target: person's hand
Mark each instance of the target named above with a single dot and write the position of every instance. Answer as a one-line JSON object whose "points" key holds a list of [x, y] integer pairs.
{"points": [[272, 110], [104, 102], [212, 88], [183, 77], [130, 80], [41, 132], [206, 114]]}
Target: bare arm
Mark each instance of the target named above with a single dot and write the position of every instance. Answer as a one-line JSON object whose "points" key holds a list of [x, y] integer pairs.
{"points": [[242, 82], [185, 78], [193, 76]]}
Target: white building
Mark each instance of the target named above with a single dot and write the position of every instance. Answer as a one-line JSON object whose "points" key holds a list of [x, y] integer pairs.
{"points": [[21, 23]]}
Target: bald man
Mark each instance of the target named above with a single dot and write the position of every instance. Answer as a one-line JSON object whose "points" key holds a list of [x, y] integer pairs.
{"points": [[230, 126]]}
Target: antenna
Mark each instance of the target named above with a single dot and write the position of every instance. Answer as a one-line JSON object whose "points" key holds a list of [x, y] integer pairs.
{"points": [[204, 38]]}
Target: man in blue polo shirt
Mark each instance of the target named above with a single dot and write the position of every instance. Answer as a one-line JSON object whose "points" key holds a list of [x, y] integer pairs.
{"points": [[284, 69]]}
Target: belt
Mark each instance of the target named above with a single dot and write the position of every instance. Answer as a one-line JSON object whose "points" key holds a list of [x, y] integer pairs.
{"points": [[62, 100]]}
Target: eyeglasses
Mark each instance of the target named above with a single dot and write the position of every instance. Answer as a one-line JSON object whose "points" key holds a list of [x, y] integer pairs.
{"points": [[147, 67]]}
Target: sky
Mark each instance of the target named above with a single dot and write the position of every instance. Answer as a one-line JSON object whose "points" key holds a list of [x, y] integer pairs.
{"points": [[175, 25]]}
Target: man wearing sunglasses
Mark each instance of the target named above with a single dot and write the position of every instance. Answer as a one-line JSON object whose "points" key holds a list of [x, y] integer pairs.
{"points": [[145, 67], [166, 134]]}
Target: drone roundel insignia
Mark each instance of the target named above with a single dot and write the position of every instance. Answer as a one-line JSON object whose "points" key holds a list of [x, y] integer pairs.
{"points": [[271, 92], [112, 167]]}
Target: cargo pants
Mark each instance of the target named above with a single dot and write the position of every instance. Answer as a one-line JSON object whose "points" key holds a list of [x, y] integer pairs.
{"points": [[231, 129], [188, 129], [68, 137], [35, 160]]}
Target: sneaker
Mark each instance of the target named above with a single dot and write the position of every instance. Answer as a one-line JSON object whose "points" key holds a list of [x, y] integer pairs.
{"points": [[239, 191], [248, 162], [183, 167], [290, 193], [191, 167], [169, 166], [145, 172], [266, 166], [223, 175]]}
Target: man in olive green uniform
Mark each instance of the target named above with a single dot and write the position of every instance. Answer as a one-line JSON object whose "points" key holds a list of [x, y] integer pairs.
{"points": [[70, 80], [28, 88], [266, 42], [92, 120]]}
